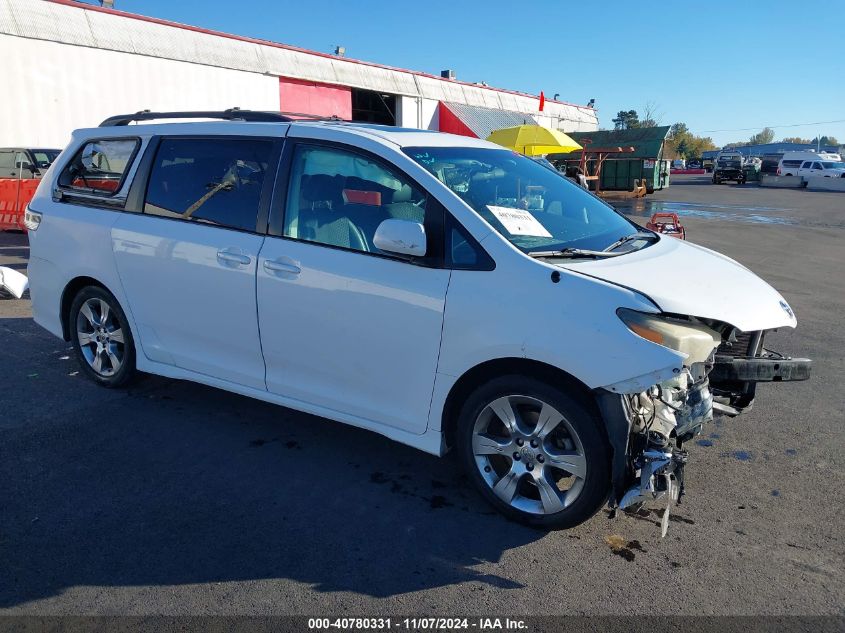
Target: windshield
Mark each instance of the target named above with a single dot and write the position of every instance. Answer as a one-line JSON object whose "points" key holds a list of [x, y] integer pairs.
{"points": [[833, 165], [536, 208]]}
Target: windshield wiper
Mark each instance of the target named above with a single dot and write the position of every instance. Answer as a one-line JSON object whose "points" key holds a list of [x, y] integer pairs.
{"points": [[629, 238], [573, 252]]}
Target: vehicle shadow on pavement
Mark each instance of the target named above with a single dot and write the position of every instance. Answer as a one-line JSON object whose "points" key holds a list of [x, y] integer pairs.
{"points": [[171, 483]]}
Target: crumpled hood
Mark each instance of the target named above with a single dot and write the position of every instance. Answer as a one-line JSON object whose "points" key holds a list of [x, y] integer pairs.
{"points": [[684, 278]]}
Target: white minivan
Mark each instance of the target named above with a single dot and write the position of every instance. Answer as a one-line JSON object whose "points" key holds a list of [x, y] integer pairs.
{"points": [[437, 289]]}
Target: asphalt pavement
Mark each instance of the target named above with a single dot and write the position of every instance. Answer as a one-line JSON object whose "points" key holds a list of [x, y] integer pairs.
{"points": [[174, 498]]}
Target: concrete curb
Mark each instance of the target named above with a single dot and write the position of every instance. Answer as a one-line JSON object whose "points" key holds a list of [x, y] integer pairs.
{"points": [[768, 180], [820, 183]]}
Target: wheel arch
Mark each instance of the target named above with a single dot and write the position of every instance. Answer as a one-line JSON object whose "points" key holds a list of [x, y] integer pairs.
{"points": [[70, 291], [483, 372]]}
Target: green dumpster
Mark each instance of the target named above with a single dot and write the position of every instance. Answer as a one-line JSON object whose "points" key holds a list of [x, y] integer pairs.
{"points": [[620, 170]]}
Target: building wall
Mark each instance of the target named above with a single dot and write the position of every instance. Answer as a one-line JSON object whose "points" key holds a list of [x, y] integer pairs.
{"points": [[50, 89], [407, 111], [417, 112], [309, 97], [70, 65], [429, 114], [773, 148]]}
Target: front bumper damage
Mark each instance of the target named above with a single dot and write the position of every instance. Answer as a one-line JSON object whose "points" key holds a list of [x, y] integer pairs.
{"points": [[761, 370], [647, 431], [743, 361], [13, 282]]}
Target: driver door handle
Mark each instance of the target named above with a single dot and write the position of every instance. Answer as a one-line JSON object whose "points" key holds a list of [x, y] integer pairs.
{"points": [[277, 266]]}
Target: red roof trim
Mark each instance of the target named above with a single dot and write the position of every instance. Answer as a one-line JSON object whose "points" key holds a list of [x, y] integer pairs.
{"points": [[252, 40]]}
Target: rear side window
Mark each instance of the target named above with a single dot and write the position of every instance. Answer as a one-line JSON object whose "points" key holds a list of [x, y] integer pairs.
{"points": [[213, 181], [100, 166], [806, 165]]}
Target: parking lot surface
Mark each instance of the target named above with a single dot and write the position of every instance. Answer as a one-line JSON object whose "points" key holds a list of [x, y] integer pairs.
{"points": [[175, 498]]}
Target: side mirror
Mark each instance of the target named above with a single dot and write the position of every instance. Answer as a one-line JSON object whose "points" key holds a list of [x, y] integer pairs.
{"points": [[23, 165], [402, 237]]}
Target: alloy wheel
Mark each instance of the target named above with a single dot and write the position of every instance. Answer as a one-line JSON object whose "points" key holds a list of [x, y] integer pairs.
{"points": [[529, 454], [100, 337]]}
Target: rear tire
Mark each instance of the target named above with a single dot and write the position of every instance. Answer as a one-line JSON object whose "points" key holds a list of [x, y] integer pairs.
{"points": [[101, 337], [535, 453]]}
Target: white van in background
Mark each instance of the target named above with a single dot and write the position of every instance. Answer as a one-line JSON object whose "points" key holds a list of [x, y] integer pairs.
{"points": [[791, 162]]}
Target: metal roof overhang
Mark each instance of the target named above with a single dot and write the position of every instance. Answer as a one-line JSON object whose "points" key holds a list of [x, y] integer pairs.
{"points": [[467, 120]]}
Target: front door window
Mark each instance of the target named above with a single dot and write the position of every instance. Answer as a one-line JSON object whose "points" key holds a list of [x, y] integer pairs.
{"points": [[339, 198]]}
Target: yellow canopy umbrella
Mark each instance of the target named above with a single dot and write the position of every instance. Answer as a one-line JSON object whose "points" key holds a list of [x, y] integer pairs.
{"points": [[534, 140]]}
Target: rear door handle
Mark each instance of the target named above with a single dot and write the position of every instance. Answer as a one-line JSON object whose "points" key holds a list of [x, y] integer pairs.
{"points": [[233, 256], [277, 266]]}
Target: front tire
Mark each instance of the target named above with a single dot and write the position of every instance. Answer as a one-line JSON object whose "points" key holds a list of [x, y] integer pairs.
{"points": [[536, 453], [101, 337]]}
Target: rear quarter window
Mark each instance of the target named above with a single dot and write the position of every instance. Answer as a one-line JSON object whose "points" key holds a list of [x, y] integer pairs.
{"points": [[792, 163], [100, 166]]}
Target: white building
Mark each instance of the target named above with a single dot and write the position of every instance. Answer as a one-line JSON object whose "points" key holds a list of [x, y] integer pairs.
{"points": [[68, 65]]}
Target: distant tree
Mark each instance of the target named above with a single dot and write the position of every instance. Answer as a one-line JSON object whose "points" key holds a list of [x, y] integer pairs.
{"points": [[825, 140], [651, 115], [678, 129], [685, 144], [766, 135], [701, 144], [626, 120], [796, 139]]}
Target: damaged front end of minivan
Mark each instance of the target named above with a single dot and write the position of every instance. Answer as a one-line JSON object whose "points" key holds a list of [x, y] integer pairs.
{"points": [[649, 429]]}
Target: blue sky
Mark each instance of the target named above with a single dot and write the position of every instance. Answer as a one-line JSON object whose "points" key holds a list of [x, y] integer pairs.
{"points": [[751, 65]]}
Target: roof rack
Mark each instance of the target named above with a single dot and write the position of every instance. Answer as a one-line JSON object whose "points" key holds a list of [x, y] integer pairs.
{"points": [[232, 114]]}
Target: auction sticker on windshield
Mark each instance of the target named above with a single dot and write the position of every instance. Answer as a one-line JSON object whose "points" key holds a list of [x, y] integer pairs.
{"points": [[518, 221]]}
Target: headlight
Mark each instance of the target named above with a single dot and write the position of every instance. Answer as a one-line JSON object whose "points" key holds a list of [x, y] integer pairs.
{"points": [[695, 340], [31, 220]]}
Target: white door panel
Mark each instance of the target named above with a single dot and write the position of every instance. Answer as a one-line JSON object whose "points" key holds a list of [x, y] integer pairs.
{"points": [[191, 289], [350, 331]]}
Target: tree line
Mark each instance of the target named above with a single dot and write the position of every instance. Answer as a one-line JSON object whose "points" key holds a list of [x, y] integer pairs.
{"points": [[682, 143], [767, 135]]}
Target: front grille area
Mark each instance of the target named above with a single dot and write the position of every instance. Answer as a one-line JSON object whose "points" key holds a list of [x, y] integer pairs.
{"points": [[740, 348]]}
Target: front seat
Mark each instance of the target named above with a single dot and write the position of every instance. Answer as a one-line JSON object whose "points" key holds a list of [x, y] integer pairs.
{"points": [[325, 220]]}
